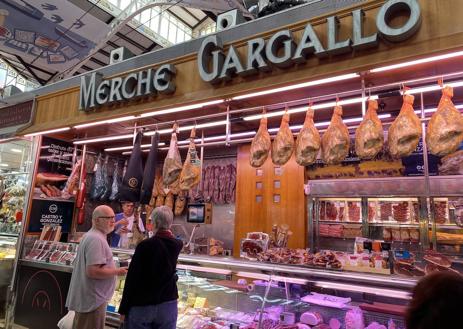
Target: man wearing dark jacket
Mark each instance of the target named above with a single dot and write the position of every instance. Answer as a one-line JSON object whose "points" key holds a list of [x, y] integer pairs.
{"points": [[153, 305]]}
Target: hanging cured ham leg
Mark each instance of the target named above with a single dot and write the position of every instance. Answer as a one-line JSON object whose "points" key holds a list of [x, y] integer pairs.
{"points": [[283, 144], [369, 136], [405, 132], [173, 163], [261, 144], [308, 141], [335, 141], [191, 171], [445, 129]]}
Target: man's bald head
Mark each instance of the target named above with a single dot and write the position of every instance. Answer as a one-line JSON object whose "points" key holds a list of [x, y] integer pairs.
{"points": [[103, 219]]}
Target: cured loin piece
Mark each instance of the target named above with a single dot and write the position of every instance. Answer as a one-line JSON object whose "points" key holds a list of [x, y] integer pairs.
{"points": [[283, 144], [405, 132], [191, 171], [335, 141], [369, 136], [43, 178], [173, 162], [308, 141], [260, 146], [180, 203], [445, 129]]}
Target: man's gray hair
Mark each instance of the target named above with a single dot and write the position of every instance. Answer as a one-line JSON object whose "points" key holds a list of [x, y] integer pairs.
{"points": [[163, 217]]}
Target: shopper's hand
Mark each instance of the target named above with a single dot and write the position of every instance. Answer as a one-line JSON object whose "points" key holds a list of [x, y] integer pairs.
{"points": [[123, 222], [122, 317], [123, 230], [121, 271]]}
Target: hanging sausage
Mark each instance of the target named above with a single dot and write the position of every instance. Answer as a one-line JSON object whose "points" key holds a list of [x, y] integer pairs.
{"points": [[369, 136], [336, 140], [445, 129], [405, 132], [283, 144], [308, 141]]}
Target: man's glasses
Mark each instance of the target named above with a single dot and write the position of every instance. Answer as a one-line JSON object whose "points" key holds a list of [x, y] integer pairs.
{"points": [[108, 217]]}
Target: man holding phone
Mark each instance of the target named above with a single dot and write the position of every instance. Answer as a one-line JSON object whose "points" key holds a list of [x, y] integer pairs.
{"points": [[124, 225]]}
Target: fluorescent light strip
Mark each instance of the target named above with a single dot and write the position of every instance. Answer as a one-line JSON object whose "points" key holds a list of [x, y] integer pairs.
{"points": [[314, 107], [418, 61], [3, 164], [297, 86], [48, 132], [213, 138], [129, 147], [103, 139], [182, 108], [377, 291], [327, 123], [91, 124], [204, 269], [426, 89], [186, 128], [16, 150], [432, 110]]}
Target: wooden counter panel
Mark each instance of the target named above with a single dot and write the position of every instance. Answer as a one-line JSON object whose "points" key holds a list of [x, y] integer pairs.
{"points": [[260, 216]]}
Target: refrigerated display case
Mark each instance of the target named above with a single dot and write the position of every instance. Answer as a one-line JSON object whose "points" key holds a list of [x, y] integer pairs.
{"points": [[216, 292], [8, 244], [407, 213]]}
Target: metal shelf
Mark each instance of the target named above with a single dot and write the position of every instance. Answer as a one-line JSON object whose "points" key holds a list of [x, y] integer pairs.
{"points": [[339, 222], [384, 187]]}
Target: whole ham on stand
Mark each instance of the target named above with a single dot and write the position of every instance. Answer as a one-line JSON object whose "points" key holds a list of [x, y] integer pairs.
{"points": [[191, 171], [336, 140], [369, 136], [405, 132], [445, 129], [283, 144], [308, 141], [260, 146]]}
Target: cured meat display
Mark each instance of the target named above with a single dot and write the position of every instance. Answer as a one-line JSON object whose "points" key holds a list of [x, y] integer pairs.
{"points": [[405, 132], [283, 144], [452, 164], [335, 141], [401, 212], [98, 186], [149, 173], [218, 183], [191, 171], [331, 211], [440, 212], [133, 177], [445, 129], [115, 184], [308, 141], [385, 211], [173, 162], [354, 211], [72, 184], [369, 136], [260, 146], [107, 182]]}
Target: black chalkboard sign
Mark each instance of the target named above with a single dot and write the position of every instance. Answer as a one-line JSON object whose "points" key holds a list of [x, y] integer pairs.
{"points": [[41, 297], [50, 212]]}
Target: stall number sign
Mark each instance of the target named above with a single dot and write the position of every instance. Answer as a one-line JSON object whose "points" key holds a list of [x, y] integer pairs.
{"points": [[47, 212], [281, 49]]}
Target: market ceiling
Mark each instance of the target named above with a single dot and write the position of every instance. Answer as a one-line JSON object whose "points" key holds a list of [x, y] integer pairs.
{"points": [[41, 39]]}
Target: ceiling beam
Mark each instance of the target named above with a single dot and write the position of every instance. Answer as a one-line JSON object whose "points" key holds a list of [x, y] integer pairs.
{"points": [[131, 41], [29, 69]]}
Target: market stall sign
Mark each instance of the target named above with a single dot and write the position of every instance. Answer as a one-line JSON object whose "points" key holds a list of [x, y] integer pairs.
{"points": [[15, 115], [94, 91], [282, 50], [50, 212]]}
